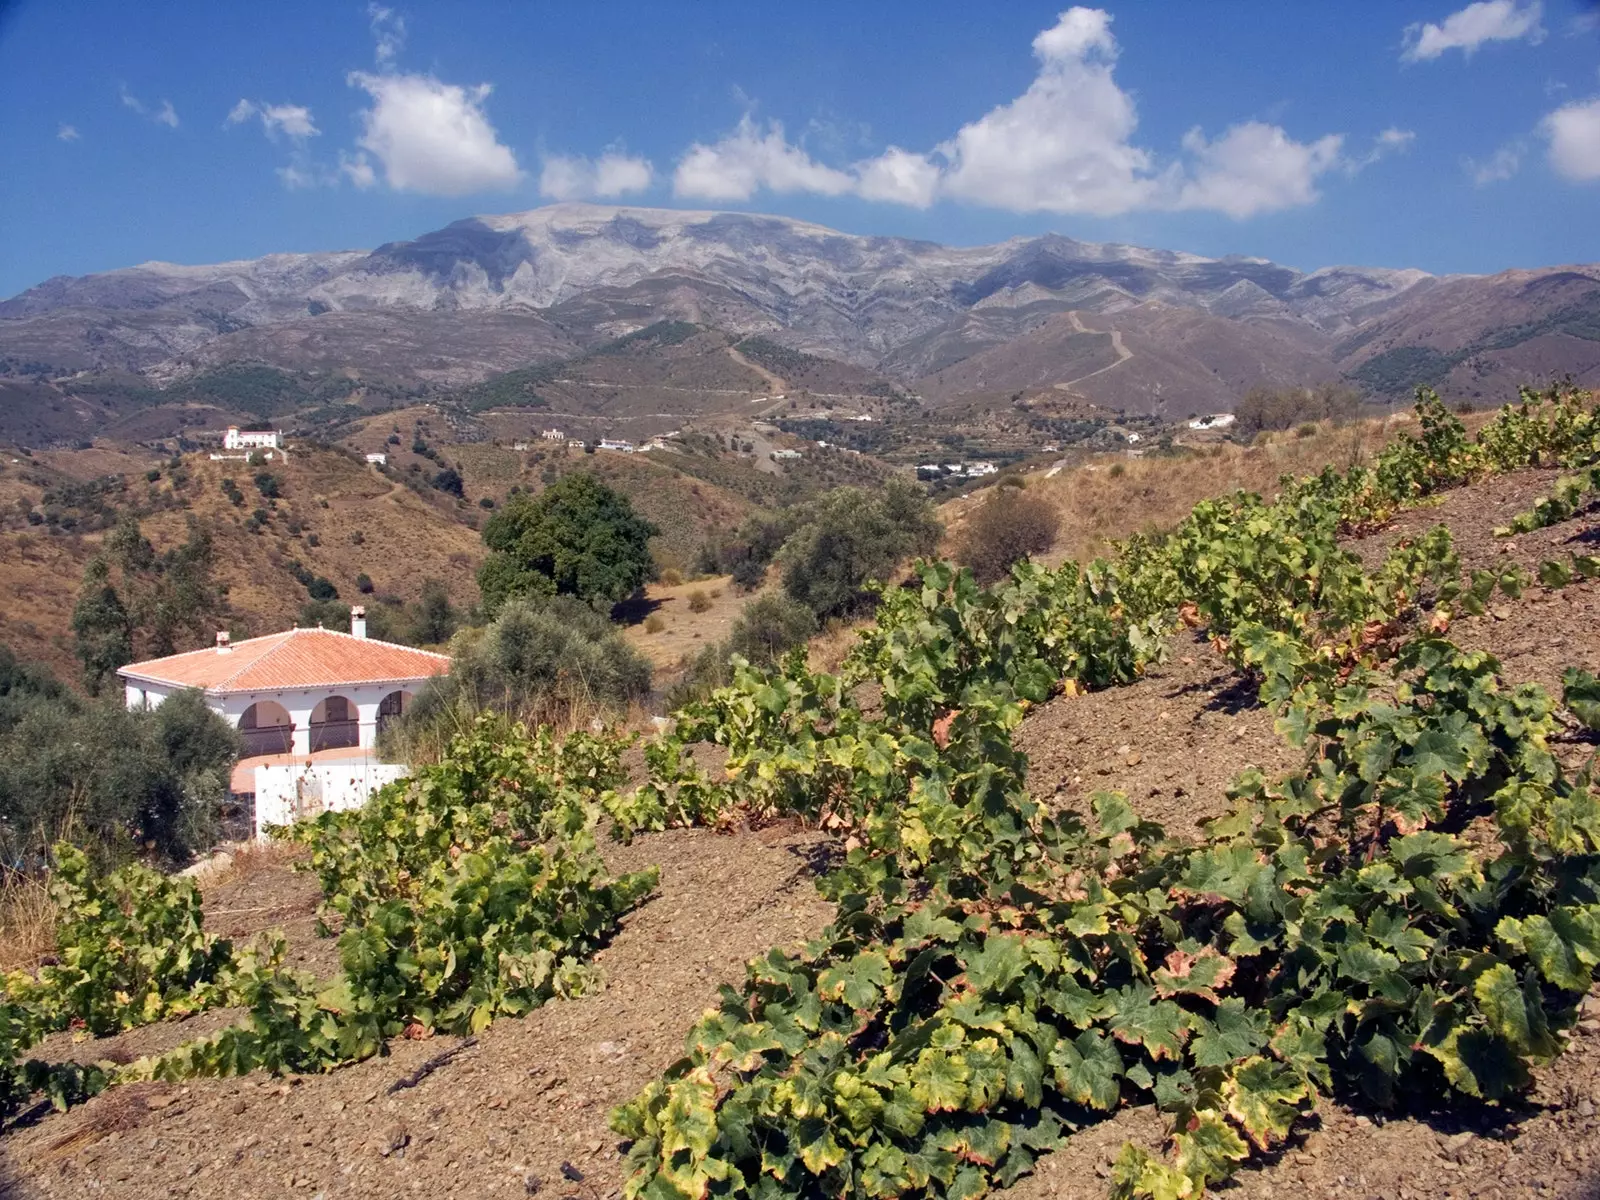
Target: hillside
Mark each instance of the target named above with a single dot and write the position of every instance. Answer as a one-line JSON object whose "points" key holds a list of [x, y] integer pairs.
{"points": [[337, 517], [524, 1101], [520, 292]]}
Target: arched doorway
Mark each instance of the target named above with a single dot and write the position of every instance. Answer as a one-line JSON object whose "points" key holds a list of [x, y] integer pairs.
{"points": [[334, 724], [391, 708], [266, 728]]}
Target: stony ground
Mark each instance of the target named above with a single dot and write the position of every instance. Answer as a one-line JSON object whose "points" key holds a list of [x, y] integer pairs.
{"points": [[522, 1109]]}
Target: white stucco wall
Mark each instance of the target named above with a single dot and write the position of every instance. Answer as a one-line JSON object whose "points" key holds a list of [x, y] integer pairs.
{"points": [[299, 703], [287, 792]]}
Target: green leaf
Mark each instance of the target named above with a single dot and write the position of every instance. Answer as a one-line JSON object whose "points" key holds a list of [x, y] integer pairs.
{"points": [[1237, 1031], [1088, 1070], [1262, 1096]]}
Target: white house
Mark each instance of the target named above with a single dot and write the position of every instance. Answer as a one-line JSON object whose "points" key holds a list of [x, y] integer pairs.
{"points": [[313, 700], [617, 444], [977, 469], [296, 692], [251, 439], [785, 454], [553, 435], [378, 460]]}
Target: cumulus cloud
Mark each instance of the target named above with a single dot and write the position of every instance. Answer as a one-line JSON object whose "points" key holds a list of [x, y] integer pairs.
{"points": [[1254, 168], [1497, 168], [433, 137], [1472, 26], [1065, 145], [294, 120], [163, 115], [358, 170], [574, 177], [750, 159], [68, 133], [1573, 132]]}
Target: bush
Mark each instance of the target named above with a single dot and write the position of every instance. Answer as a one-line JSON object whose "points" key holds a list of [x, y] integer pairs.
{"points": [[576, 538], [1262, 408], [321, 588], [268, 485], [449, 482], [852, 537], [486, 502], [117, 782], [1009, 526], [765, 631], [671, 577], [699, 602], [655, 623], [547, 661], [364, 584]]}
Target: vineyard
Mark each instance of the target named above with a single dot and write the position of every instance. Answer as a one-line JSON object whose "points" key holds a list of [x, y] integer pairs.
{"points": [[1410, 918]]}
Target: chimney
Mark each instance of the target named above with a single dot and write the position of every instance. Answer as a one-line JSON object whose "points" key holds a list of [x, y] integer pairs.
{"points": [[358, 621], [223, 646]]}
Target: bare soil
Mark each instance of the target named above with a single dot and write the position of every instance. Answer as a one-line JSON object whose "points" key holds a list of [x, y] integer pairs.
{"points": [[522, 1109]]}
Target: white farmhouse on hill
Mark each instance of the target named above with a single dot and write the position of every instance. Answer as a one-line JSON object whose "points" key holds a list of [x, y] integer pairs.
{"points": [[251, 439], [309, 705]]}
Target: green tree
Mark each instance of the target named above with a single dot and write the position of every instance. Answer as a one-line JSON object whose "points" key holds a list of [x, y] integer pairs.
{"points": [[575, 538], [854, 536], [1009, 526], [436, 618], [101, 627]]}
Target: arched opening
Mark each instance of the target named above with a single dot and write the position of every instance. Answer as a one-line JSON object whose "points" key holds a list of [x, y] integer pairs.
{"points": [[266, 729], [334, 724], [391, 708]]}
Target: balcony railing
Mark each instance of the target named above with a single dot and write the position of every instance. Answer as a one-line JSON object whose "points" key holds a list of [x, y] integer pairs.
{"points": [[272, 739], [330, 735]]}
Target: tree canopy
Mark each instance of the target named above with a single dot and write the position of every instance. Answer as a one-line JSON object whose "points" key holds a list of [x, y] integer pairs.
{"points": [[852, 536], [575, 538]]}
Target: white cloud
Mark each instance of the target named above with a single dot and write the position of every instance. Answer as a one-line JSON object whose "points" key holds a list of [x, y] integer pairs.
{"points": [[1065, 145], [68, 133], [750, 159], [165, 115], [1573, 131], [574, 177], [1254, 168], [1498, 167], [388, 33], [433, 137], [899, 177], [1390, 141], [292, 119], [1472, 26], [358, 170]]}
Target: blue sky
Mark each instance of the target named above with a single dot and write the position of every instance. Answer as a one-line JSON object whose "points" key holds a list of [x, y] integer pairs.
{"points": [[1438, 135]]}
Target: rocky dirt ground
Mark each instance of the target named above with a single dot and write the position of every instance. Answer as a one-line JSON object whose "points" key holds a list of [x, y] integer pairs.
{"points": [[521, 1110]]}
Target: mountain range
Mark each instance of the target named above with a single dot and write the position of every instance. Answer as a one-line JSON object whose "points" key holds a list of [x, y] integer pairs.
{"points": [[1120, 326]]}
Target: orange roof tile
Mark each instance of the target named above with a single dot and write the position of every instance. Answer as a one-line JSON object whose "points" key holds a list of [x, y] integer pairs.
{"points": [[296, 658]]}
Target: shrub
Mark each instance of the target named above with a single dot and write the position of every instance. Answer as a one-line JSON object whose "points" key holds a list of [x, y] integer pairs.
{"points": [[313, 540], [486, 502], [1009, 526], [699, 602], [655, 623], [852, 537], [1262, 408], [576, 538], [449, 482], [364, 584], [539, 660], [671, 577], [268, 485], [321, 588]]}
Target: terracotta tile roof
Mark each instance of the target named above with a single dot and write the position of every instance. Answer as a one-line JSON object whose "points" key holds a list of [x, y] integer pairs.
{"points": [[296, 658]]}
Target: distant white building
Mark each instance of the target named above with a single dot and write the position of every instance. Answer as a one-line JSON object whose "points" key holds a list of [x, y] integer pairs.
{"points": [[1214, 421], [378, 459], [553, 435], [519, 446], [251, 439], [617, 444], [785, 454], [977, 469], [862, 417], [1132, 438]]}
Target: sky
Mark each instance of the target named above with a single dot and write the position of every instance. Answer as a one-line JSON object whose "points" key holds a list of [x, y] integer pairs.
{"points": [[1450, 137]]}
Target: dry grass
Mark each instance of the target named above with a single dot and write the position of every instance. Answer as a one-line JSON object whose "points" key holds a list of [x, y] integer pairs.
{"points": [[1100, 504], [683, 629], [252, 859], [27, 922]]}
